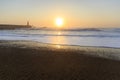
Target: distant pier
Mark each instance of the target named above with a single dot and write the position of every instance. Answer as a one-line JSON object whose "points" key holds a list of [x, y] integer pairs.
{"points": [[9, 26]]}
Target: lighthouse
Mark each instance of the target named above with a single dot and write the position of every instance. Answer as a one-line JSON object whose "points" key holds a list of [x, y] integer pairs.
{"points": [[28, 23]]}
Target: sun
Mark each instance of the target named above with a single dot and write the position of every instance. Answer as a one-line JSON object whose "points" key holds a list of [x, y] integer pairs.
{"points": [[59, 22]]}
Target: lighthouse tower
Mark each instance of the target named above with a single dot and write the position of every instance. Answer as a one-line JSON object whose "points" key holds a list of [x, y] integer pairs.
{"points": [[28, 23]]}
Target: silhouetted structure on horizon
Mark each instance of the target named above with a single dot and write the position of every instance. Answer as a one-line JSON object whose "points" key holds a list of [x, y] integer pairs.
{"points": [[28, 23], [10, 26]]}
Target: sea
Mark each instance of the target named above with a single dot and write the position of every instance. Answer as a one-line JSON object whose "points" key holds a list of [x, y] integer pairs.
{"points": [[103, 37]]}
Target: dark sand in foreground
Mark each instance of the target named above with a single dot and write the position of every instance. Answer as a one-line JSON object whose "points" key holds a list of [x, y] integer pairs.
{"points": [[23, 61]]}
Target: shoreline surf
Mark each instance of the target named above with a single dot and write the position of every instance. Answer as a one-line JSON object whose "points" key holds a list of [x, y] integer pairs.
{"points": [[109, 38]]}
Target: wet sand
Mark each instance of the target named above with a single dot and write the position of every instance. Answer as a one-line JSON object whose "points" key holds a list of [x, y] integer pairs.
{"points": [[25, 60]]}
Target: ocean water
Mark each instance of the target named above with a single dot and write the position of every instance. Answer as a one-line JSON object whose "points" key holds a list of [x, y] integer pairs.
{"points": [[101, 37]]}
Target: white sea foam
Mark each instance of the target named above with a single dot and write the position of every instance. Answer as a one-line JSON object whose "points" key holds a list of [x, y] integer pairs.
{"points": [[104, 37]]}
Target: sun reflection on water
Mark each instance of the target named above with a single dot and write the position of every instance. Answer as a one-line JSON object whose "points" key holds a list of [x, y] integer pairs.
{"points": [[58, 46], [59, 33], [58, 40]]}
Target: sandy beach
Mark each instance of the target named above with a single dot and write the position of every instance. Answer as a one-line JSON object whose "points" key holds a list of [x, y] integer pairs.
{"points": [[26, 60]]}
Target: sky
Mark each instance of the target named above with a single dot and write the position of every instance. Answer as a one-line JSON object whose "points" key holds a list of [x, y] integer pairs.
{"points": [[76, 13]]}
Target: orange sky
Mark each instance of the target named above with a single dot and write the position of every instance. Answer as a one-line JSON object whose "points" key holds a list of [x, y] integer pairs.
{"points": [[76, 13]]}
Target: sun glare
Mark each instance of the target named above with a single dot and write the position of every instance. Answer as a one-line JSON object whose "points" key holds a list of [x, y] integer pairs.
{"points": [[59, 22]]}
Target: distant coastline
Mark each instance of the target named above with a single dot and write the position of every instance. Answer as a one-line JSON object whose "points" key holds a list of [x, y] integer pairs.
{"points": [[10, 26]]}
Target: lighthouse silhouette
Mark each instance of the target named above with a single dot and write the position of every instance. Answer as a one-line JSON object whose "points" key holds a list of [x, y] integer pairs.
{"points": [[28, 23]]}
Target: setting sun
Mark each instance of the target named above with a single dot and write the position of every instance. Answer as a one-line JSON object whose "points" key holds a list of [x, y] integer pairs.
{"points": [[59, 22]]}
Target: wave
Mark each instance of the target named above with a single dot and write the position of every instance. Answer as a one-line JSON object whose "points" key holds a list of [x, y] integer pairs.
{"points": [[100, 33], [84, 29], [62, 35], [47, 35]]}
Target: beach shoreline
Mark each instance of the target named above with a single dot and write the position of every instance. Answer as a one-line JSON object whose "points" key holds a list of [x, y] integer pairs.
{"points": [[103, 52], [38, 61]]}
